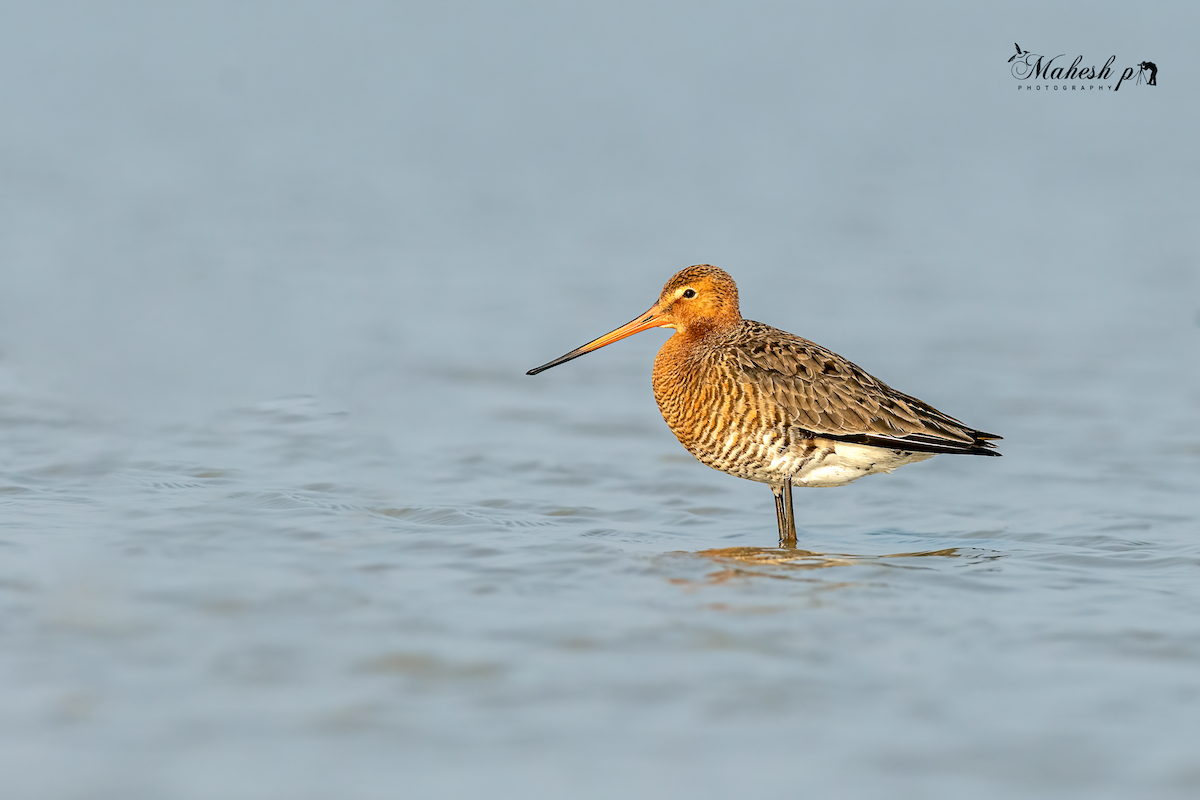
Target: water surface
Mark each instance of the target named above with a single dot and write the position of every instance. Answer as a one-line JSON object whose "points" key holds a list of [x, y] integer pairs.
{"points": [[282, 516]]}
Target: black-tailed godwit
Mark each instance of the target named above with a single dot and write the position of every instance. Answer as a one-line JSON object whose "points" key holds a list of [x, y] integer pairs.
{"points": [[764, 404]]}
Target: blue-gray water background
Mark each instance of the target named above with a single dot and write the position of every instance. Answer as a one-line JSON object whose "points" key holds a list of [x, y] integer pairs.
{"points": [[282, 517]]}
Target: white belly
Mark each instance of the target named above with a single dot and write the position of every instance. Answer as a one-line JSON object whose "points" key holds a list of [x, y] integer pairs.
{"points": [[807, 462], [849, 462]]}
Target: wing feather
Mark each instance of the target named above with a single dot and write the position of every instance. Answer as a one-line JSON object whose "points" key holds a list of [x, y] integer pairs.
{"points": [[826, 395]]}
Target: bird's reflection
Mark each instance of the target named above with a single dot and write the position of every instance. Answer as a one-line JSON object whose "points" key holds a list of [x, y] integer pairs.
{"points": [[784, 562]]}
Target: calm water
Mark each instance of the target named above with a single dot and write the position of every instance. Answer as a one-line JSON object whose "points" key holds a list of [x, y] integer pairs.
{"points": [[283, 517]]}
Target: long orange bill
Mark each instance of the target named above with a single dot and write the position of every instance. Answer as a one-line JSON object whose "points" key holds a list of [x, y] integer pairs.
{"points": [[651, 319]]}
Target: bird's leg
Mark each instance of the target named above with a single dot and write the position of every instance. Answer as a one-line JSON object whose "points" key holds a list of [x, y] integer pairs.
{"points": [[780, 514], [789, 533], [785, 514]]}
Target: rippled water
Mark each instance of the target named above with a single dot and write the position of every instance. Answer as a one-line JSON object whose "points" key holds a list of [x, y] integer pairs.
{"points": [[282, 517]]}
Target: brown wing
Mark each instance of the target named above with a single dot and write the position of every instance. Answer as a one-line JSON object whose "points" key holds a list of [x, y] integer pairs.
{"points": [[821, 392]]}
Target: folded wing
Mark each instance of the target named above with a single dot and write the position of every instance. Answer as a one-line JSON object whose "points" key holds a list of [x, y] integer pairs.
{"points": [[828, 396]]}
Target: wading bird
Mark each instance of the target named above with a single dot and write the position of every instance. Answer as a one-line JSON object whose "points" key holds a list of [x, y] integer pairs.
{"points": [[769, 406]]}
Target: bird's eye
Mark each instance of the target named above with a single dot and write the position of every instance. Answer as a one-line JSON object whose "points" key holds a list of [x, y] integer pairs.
{"points": [[689, 293]]}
